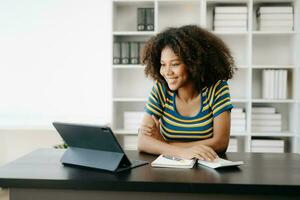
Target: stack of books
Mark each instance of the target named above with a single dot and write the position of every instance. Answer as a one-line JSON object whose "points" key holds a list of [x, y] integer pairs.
{"points": [[274, 84], [275, 18], [265, 119], [238, 120], [132, 120], [127, 52], [267, 146], [230, 18], [145, 19], [130, 142], [233, 145]]}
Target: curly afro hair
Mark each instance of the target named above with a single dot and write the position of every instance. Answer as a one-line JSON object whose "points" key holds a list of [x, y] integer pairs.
{"points": [[206, 57]]}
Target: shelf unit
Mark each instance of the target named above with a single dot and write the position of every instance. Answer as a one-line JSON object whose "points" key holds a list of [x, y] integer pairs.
{"points": [[253, 51]]}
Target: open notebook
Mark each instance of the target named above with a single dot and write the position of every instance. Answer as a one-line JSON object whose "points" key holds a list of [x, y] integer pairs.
{"points": [[219, 162], [172, 162]]}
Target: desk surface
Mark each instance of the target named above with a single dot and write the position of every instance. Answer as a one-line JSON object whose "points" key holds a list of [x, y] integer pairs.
{"points": [[261, 174]]}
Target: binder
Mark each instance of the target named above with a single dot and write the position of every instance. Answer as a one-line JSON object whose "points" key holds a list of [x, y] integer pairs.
{"points": [[149, 19], [116, 53], [141, 15], [134, 53], [125, 53]]}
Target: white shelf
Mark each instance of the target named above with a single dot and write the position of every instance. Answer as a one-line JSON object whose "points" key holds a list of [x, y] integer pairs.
{"points": [[238, 134], [133, 33], [128, 66], [273, 101], [239, 100], [273, 66], [125, 132], [242, 66], [130, 99], [253, 51], [280, 134], [274, 32], [230, 33]]}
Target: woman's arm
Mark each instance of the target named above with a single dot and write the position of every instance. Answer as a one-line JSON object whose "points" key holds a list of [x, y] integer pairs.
{"points": [[151, 141], [220, 139]]}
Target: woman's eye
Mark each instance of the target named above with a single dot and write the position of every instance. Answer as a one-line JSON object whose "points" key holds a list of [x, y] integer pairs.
{"points": [[175, 64]]}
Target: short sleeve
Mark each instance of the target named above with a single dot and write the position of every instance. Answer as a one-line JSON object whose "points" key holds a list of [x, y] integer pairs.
{"points": [[221, 99], [156, 100]]}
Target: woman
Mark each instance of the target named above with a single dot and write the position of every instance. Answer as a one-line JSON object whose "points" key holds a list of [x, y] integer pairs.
{"points": [[188, 110]]}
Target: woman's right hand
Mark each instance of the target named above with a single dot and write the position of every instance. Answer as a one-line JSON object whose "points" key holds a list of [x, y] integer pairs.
{"points": [[201, 152]]}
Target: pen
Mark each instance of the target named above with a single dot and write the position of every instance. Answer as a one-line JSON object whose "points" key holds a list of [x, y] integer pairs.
{"points": [[173, 158]]}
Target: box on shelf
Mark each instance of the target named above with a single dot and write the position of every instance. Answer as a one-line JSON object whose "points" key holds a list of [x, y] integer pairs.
{"points": [[145, 19], [130, 142], [230, 18], [275, 18], [274, 84], [233, 145], [267, 145], [238, 120], [265, 119], [132, 120]]}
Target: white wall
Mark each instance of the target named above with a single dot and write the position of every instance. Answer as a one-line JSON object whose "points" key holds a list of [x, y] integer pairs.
{"points": [[55, 58]]}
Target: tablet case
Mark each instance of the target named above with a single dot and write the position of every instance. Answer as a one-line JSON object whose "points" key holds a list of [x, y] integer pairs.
{"points": [[93, 147]]}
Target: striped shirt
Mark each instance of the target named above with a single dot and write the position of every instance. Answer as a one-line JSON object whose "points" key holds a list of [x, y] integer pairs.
{"points": [[175, 127]]}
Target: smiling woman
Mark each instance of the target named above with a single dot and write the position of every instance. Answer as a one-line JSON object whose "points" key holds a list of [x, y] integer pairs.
{"points": [[188, 110]]}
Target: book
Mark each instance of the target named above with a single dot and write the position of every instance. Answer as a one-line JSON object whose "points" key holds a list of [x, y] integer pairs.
{"points": [[233, 145], [267, 150], [238, 122], [125, 52], [227, 16], [238, 115], [231, 9], [141, 19], [284, 84], [130, 142], [149, 19], [276, 28], [238, 129], [266, 116], [266, 128], [230, 28], [220, 162], [230, 23], [134, 53], [173, 162], [274, 16], [264, 110], [275, 9], [267, 143], [116, 53], [276, 23], [266, 122]]}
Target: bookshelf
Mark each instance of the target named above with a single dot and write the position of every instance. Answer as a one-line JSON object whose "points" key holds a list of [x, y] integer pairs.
{"points": [[253, 50]]}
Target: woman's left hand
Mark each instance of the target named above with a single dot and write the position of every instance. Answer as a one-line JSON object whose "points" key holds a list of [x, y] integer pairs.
{"points": [[152, 130]]}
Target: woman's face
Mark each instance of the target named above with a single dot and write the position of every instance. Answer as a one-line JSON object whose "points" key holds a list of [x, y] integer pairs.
{"points": [[173, 69]]}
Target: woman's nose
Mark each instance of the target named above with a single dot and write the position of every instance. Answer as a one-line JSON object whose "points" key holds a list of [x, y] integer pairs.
{"points": [[169, 70]]}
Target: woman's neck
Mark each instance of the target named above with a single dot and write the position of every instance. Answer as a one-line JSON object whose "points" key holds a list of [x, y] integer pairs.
{"points": [[187, 93]]}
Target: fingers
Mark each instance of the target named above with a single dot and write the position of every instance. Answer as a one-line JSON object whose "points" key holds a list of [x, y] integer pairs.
{"points": [[146, 130], [205, 153], [212, 153], [157, 123]]}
